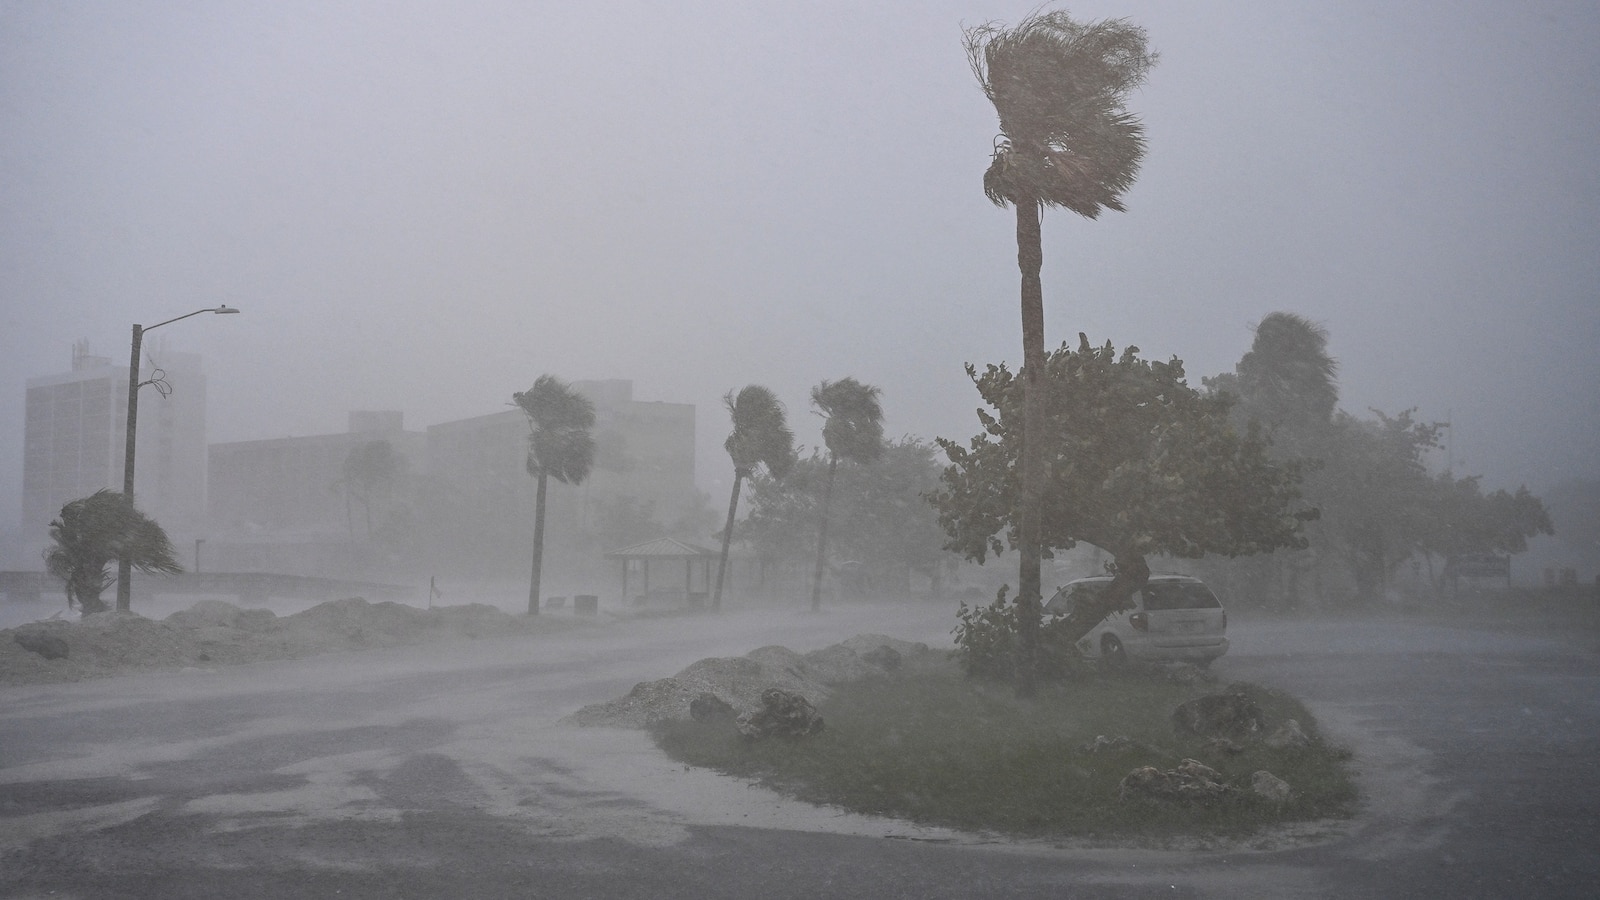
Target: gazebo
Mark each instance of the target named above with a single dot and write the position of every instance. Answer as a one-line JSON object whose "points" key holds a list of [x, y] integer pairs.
{"points": [[666, 550]]}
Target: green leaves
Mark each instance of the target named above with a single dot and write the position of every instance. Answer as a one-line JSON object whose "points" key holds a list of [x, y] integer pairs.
{"points": [[761, 434], [560, 421], [1137, 463], [853, 430], [1059, 87], [94, 530]]}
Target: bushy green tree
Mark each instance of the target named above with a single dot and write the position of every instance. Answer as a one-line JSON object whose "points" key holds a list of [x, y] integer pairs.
{"points": [[1135, 462], [1286, 384], [881, 515], [93, 531], [1380, 505]]}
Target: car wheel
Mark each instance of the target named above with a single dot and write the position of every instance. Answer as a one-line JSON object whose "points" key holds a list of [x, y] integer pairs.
{"points": [[1112, 651]]}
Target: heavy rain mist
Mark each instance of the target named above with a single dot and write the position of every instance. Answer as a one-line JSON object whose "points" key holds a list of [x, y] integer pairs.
{"points": [[477, 242], [423, 208]]}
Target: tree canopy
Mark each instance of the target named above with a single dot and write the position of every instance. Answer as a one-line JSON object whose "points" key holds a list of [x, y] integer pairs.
{"points": [[370, 470], [1135, 462], [561, 420], [852, 425], [560, 446], [1381, 506], [852, 429], [882, 517], [760, 437], [93, 531], [1060, 87]]}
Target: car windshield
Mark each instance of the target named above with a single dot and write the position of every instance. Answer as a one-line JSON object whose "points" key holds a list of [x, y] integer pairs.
{"points": [[1179, 595]]}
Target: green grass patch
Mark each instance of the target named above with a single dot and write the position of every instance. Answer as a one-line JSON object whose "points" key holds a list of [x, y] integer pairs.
{"points": [[934, 747]]}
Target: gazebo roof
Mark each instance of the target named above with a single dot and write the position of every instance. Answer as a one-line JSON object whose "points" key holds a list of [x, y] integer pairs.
{"points": [[661, 548]]}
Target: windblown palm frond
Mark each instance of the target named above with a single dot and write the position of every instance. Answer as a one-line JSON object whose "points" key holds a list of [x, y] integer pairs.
{"points": [[559, 418], [1287, 373], [1059, 88], [92, 532], [761, 434], [853, 426]]}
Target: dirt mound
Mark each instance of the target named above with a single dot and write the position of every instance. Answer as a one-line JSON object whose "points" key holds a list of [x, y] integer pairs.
{"points": [[739, 680], [213, 632]]}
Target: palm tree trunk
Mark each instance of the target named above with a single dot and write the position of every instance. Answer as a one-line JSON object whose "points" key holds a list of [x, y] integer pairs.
{"points": [[727, 538], [538, 547], [822, 535], [1030, 258]]}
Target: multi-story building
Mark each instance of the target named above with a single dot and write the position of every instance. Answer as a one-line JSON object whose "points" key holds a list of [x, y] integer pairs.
{"points": [[461, 497], [465, 501], [643, 471], [75, 435], [300, 486]]}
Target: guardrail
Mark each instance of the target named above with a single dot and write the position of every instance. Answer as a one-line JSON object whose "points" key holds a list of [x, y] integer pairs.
{"points": [[248, 587]]}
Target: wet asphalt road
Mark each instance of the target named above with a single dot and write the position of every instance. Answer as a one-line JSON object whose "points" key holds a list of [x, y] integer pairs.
{"points": [[381, 775]]}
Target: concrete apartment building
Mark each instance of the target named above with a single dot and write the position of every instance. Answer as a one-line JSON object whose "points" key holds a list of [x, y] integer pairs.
{"points": [[463, 498], [292, 490], [75, 433], [466, 500], [644, 456]]}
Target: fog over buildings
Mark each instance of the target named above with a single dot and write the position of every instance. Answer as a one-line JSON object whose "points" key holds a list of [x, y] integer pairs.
{"points": [[420, 208]]}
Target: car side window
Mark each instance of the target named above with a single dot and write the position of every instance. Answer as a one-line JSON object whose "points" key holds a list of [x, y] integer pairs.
{"points": [[1183, 595]]}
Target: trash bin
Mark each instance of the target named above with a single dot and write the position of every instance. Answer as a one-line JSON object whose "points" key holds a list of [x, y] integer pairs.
{"points": [[586, 604]]}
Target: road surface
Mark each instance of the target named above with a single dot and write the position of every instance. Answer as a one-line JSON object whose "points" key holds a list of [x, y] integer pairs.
{"points": [[383, 774]]}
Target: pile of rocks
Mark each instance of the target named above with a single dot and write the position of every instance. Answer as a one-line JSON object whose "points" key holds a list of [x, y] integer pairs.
{"points": [[739, 683], [1225, 720]]}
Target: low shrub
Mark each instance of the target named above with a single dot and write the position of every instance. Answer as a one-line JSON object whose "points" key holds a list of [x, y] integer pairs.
{"points": [[987, 643], [938, 748]]}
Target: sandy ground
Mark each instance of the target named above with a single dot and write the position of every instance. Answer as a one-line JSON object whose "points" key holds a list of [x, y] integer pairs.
{"points": [[214, 633]]}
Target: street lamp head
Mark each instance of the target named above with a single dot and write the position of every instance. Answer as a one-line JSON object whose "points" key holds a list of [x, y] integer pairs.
{"points": [[225, 308]]}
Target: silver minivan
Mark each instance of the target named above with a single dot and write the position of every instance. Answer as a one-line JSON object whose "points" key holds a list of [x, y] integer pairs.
{"points": [[1174, 618]]}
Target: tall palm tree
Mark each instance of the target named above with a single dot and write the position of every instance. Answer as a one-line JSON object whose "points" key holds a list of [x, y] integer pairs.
{"points": [[853, 431], [761, 437], [94, 530], [1065, 140], [560, 445]]}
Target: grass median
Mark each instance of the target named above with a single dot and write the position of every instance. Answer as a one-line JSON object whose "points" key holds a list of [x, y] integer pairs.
{"points": [[934, 747]]}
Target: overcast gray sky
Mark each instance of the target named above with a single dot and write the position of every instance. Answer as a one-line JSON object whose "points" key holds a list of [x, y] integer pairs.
{"points": [[423, 206]]}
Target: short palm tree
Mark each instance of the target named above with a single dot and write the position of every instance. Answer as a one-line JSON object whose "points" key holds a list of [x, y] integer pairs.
{"points": [[1066, 140], [560, 445], [760, 437], [853, 431], [94, 530]]}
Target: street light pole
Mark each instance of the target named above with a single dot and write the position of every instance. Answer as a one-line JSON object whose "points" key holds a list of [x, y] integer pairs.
{"points": [[124, 563]]}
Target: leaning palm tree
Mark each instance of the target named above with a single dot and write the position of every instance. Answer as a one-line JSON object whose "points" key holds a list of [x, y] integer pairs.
{"points": [[94, 530], [761, 437], [559, 445], [1066, 140], [853, 431]]}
